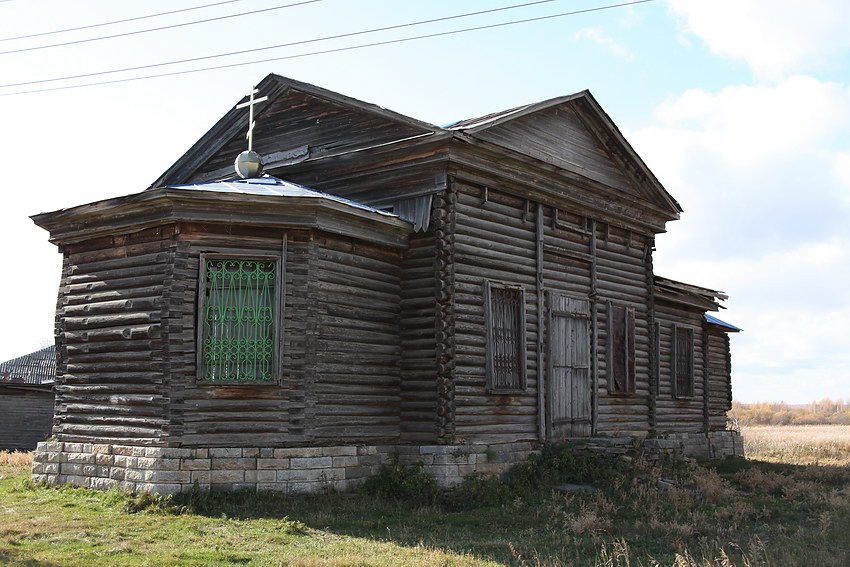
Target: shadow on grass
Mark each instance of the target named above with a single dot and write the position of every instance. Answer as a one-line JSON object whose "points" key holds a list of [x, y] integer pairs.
{"points": [[489, 533], [542, 528]]}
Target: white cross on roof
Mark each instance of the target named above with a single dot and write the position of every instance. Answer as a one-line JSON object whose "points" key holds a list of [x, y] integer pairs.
{"points": [[250, 104]]}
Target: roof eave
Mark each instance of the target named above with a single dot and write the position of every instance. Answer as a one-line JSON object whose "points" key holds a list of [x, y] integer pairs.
{"points": [[162, 206]]}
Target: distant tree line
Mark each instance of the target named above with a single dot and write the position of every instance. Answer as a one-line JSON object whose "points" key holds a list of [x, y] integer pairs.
{"points": [[825, 411]]}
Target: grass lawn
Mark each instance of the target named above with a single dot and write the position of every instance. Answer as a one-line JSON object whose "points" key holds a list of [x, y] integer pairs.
{"points": [[734, 513]]}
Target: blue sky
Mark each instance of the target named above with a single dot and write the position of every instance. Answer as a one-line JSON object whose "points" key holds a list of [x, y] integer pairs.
{"points": [[740, 107]]}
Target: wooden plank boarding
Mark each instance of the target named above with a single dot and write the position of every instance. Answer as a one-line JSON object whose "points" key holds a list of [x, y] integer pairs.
{"points": [[569, 367]]}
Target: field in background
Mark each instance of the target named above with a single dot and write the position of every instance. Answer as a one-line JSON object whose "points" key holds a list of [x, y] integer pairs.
{"points": [[824, 412], [798, 444]]}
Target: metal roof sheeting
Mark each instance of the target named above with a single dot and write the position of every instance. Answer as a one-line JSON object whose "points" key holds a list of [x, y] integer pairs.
{"points": [[272, 187], [715, 321]]}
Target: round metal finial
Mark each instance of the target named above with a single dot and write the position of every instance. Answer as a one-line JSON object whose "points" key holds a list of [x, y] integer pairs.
{"points": [[248, 164]]}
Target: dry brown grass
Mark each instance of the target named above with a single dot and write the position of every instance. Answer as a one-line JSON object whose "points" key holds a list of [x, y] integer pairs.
{"points": [[15, 459], [798, 444]]}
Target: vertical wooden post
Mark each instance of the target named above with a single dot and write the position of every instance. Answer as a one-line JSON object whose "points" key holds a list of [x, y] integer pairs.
{"points": [[445, 205], [705, 389], [541, 332], [594, 333], [654, 337]]}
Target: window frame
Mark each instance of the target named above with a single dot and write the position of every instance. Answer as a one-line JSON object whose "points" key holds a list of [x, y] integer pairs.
{"points": [[627, 345], [489, 325], [690, 377], [277, 324]]}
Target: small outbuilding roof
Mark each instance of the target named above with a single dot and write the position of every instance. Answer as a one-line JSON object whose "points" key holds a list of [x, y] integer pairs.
{"points": [[37, 367]]}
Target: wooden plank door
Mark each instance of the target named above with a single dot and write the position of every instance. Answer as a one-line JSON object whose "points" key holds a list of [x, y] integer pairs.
{"points": [[570, 384]]}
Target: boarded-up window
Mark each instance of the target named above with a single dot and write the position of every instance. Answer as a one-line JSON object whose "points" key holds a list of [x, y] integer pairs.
{"points": [[683, 362], [237, 321], [504, 308], [621, 349]]}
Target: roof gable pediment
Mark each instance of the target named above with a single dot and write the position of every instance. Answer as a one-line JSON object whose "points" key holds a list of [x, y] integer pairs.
{"points": [[575, 134], [298, 121]]}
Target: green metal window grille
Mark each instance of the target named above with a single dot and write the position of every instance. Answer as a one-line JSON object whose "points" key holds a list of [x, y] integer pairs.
{"points": [[238, 320]]}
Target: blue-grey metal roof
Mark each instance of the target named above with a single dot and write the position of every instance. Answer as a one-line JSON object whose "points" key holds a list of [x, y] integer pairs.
{"points": [[37, 367], [715, 321], [272, 187]]}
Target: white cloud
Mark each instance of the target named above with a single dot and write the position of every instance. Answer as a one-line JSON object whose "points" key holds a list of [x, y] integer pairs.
{"points": [[752, 125], [599, 38], [763, 173], [753, 165], [774, 37]]}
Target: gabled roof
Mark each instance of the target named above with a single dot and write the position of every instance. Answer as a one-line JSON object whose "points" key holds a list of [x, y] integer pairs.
{"points": [[494, 118], [37, 367], [234, 123], [590, 115], [304, 123]]}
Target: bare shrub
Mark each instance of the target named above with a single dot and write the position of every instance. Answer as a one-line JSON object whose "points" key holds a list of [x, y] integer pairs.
{"points": [[710, 486]]}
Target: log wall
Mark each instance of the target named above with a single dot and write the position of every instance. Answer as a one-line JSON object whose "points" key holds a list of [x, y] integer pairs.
{"points": [[679, 414], [126, 334], [496, 238], [418, 341], [358, 350], [623, 277], [341, 349], [209, 414], [719, 378], [111, 383]]}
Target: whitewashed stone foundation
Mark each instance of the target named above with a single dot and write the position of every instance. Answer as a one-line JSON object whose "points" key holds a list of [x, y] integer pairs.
{"points": [[164, 470]]}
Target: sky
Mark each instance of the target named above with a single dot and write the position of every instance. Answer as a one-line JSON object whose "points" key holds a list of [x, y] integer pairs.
{"points": [[740, 107]]}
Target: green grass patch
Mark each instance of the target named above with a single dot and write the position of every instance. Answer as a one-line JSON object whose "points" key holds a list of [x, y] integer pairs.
{"points": [[735, 513]]}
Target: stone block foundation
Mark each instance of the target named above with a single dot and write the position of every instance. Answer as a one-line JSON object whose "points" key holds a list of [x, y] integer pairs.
{"points": [[713, 445], [165, 470]]}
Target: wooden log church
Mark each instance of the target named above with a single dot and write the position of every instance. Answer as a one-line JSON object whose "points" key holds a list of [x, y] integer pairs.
{"points": [[456, 295]]}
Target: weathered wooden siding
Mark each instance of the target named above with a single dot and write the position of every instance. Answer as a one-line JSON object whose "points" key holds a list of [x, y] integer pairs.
{"points": [[26, 416], [111, 385], [679, 414], [622, 277], [569, 367], [358, 351], [418, 341], [494, 240], [567, 253], [305, 126], [558, 136], [719, 378], [208, 414], [340, 363]]}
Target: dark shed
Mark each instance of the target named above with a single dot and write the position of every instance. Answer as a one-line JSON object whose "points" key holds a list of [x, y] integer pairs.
{"points": [[26, 399]]}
